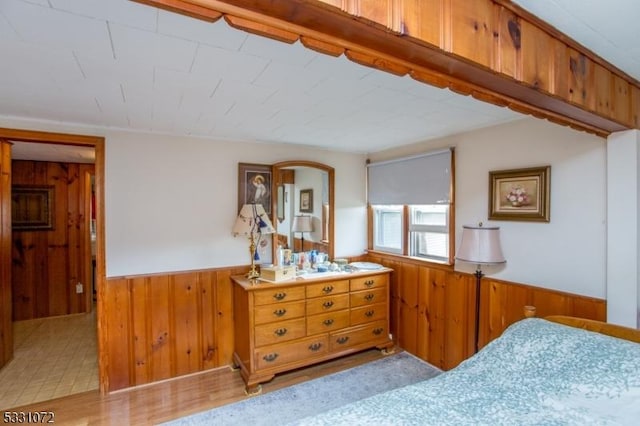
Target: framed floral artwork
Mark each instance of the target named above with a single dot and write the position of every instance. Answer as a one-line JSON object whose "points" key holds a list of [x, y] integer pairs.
{"points": [[520, 194]]}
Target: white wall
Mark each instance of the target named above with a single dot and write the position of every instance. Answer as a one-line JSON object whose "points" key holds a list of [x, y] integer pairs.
{"points": [[308, 178], [566, 254], [623, 182], [171, 201]]}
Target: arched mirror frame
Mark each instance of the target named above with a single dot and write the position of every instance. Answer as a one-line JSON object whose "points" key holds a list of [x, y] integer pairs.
{"points": [[277, 181]]}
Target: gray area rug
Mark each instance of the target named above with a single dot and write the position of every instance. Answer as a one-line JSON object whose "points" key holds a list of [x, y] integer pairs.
{"points": [[318, 395]]}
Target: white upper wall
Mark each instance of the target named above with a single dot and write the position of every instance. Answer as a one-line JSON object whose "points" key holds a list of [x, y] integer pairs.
{"points": [[569, 252], [171, 201]]}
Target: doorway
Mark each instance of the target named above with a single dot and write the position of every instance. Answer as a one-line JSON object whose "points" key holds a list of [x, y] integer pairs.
{"points": [[97, 274]]}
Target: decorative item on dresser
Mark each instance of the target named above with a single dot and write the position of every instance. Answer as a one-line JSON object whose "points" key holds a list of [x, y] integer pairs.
{"points": [[254, 223], [280, 327]]}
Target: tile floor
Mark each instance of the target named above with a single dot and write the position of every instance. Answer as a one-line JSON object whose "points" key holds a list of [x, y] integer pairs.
{"points": [[53, 357]]}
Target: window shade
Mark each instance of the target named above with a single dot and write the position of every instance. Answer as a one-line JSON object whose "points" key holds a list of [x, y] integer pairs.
{"points": [[421, 179]]}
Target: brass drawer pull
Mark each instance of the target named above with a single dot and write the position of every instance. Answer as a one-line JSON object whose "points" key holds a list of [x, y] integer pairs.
{"points": [[370, 313], [342, 340], [369, 297], [378, 331], [279, 312], [369, 283], [328, 304], [327, 289], [279, 296], [328, 322], [270, 357], [281, 332], [315, 347]]}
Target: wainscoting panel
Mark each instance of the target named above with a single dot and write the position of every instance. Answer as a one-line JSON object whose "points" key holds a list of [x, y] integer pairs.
{"points": [[162, 326], [432, 308], [167, 325]]}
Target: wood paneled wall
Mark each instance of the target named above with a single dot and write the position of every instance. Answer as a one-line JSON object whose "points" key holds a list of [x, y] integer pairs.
{"points": [[47, 264], [165, 325], [433, 308], [6, 322]]}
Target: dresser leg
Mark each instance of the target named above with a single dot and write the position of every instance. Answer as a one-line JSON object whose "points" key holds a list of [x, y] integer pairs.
{"points": [[253, 390], [388, 350]]}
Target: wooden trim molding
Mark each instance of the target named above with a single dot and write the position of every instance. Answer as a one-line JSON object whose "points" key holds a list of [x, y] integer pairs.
{"points": [[490, 49]]}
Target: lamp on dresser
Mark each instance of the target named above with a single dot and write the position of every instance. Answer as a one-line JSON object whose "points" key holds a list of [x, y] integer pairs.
{"points": [[480, 245], [302, 224], [253, 222]]}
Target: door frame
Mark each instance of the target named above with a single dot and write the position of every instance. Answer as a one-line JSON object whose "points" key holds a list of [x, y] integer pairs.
{"points": [[98, 143]]}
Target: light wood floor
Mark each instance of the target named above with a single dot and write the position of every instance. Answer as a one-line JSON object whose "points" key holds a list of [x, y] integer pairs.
{"points": [[160, 402]]}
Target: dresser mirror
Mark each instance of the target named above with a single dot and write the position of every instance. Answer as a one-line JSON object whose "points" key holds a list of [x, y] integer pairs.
{"points": [[303, 189]]}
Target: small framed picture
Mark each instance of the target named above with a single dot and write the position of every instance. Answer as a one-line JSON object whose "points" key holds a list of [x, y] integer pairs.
{"points": [[520, 194], [254, 185], [306, 201], [31, 208]]}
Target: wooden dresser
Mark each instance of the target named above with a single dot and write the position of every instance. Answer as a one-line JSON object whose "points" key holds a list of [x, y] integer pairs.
{"points": [[282, 326]]}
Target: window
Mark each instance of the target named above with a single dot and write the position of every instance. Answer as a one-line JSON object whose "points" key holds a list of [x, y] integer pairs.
{"points": [[410, 205], [388, 228], [429, 232]]}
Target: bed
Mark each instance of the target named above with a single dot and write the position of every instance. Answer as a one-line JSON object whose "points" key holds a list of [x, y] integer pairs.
{"points": [[539, 372]]}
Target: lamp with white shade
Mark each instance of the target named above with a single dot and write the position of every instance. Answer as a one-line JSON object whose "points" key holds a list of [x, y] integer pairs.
{"points": [[302, 224], [253, 222], [480, 245]]}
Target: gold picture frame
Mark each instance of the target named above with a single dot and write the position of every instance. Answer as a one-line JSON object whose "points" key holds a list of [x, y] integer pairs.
{"points": [[520, 194], [32, 208]]}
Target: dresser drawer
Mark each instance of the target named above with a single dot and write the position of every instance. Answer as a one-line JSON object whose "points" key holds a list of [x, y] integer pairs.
{"points": [[323, 323], [277, 295], [368, 297], [327, 304], [278, 312], [368, 313], [281, 331], [326, 289], [365, 283], [275, 355], [369, 333]]}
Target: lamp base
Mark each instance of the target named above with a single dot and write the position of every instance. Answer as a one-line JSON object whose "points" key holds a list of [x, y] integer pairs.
{"points": [[253, 274]]}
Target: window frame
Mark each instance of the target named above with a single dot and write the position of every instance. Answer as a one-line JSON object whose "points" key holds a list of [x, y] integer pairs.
{"points": [[405, 228]]}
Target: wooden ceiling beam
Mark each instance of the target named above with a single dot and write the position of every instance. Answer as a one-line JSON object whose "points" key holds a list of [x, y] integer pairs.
{"points": [[489, 49]]}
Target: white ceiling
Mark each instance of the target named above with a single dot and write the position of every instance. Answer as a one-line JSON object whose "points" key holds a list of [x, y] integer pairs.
{"points": [[121, 65]]}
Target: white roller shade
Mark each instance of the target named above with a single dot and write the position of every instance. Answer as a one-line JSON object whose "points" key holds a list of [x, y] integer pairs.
{"points": [[422, 179]]}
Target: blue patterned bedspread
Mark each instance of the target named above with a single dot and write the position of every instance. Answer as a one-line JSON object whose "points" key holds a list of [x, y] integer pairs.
{"points": [[536, 373]]}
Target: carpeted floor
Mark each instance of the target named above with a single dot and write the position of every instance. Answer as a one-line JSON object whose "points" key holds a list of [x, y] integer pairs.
{"points": [[318, 395]]}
